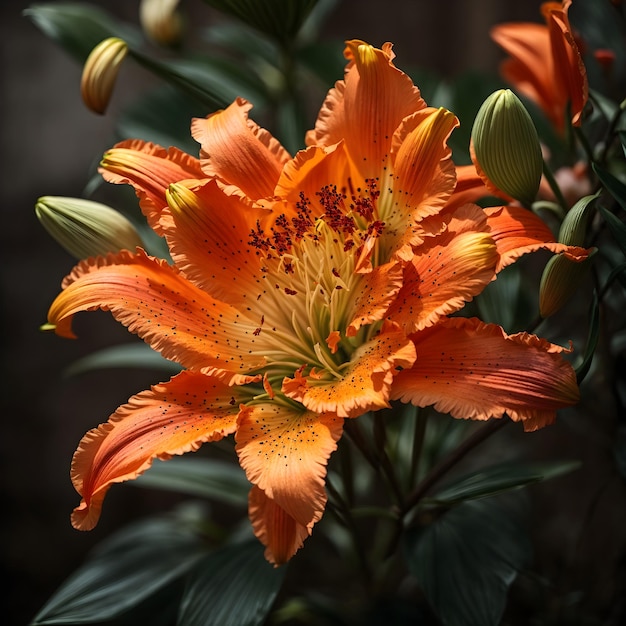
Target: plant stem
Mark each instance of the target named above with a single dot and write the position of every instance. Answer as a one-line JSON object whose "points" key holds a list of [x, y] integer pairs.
{"points": [[437, 472]]}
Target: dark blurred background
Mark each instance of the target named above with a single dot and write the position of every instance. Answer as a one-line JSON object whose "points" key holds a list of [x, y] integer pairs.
{"points": [[48, 142]]}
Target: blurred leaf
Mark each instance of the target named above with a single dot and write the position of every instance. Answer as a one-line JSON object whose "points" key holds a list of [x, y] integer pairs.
{"points": [[125, 355], [622, 138], [213, 82], [207, 478], [324, 60], [464, 97], [605, 106], [78, 28], [592, 339], [499, 302], [617, 228], [466, 560], [162, 116], [234, 586], [612, 184], [280, 19], [240, 38], [498, 478], [135, 563]]}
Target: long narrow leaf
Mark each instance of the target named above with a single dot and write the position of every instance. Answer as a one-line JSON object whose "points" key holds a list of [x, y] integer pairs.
{"points": [[234, 586], [77, 27], [207, 478], [466, 560], [134, 564], [499, 478]]}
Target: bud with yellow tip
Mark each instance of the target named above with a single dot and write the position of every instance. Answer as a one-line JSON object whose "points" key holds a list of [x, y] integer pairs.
{"points": [[506, 146], [100, 73], [86, 228], [181, 199], [161, 21]]}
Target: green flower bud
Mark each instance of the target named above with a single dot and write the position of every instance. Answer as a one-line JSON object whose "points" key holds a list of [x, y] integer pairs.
{"points": [[574, 226], [100, 73], [85, 228], [506, 146], [560, 279]]}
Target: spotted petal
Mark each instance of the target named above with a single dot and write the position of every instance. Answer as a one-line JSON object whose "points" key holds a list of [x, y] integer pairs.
{"points": [[475, 370], [154, 300], [365, 384], [284, 451], [172, 418], [446, 271]]}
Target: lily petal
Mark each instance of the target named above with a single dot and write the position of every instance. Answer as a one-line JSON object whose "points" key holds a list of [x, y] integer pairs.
{"points": [[284, 452], [155, 301], [150, 169], [517, 231], [365, 384], [282, 535], [375, 293], [366, 107], [172, 418], [475, 370], [447, 271], [238, 151], [209, 240], [310, 171]]}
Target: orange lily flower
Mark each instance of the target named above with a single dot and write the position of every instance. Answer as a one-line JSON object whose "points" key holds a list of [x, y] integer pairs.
{"points": [[305, 291], [545, 63]]}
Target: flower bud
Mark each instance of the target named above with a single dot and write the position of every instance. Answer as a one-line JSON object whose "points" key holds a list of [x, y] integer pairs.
{"points": [[100, 72], [85, 228], [560, 279], [161, 21], [574, 226], [506, 146]]}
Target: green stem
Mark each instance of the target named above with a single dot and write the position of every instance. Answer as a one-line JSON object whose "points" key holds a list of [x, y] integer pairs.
{"points": [[437, 472], [344, 515], [556, 190]]}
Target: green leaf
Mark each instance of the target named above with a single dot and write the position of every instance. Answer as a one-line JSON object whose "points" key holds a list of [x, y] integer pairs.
{"points": [[212, 82], [592, 339], [234, 586], [207, 478], [324, 60], [499, 302], [616, 226], [466, 560], [78, 28], [612, 184], [125, 355], [131, 566], [498, 478], [162, 116], [280, 19]]}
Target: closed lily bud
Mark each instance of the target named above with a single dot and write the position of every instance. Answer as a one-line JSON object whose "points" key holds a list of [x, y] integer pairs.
{"points": [[560, 279], [506, 146], [85, 228], [100, 73], [161, 21], [574, 226]]}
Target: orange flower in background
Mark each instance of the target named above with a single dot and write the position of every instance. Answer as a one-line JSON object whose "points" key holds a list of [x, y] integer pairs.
{"points": [[308, 290], [545, 64]]}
